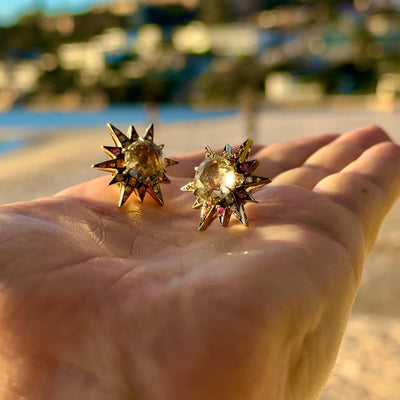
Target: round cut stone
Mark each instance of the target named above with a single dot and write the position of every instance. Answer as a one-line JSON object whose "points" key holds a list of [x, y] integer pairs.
{"points": [[214, 179], [144, 161]]}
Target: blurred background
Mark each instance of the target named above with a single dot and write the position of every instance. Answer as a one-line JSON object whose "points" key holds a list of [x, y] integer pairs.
{"points": [[207, 72], [74, 54]]}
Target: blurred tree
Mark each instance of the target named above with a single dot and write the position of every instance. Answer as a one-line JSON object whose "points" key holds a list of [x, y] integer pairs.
{"points": [[57, 81], [168, 15], [26, 36], [153, 87], [331, 5], [227, 84], [267, 4], [214, 11], [29, 33], [90, 24], [361, 39], [347, 79]]}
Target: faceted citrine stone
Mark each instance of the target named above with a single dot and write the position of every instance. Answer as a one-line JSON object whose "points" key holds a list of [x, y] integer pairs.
{"points": [[214, 179], [144, 161]]}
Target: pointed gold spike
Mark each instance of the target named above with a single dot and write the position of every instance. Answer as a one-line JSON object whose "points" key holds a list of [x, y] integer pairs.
{"points": [[244, 150], [125, 192], [224, 216], [155, 193], [121, 195], [247, 167], [119, 138], [109, 165], [198, 203], [118, 178], [149, 134], [241, 195], [227, 150], [240, 214], [132, 134], [188, 188], [168, 162], [165, 179], [254, 182], [209, 152], [112, 151], [208, 214]]}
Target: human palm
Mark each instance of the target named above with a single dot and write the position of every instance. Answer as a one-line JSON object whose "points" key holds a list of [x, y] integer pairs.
{"points": [[134, 303]]}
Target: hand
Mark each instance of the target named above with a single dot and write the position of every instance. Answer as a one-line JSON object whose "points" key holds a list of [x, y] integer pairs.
{"points": [[134, 303]]}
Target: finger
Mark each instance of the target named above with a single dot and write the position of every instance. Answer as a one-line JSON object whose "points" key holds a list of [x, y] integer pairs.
{"points": [[274, 159], [332, 157], [188, 162], [280, 157], [367, 187]]}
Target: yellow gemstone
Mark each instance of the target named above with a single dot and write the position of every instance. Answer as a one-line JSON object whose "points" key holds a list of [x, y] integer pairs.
{"points": [[144, 161], [214, 180]]}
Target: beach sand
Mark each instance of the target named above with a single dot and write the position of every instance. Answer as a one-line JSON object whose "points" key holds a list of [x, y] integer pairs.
{"points": [[368, 366]]}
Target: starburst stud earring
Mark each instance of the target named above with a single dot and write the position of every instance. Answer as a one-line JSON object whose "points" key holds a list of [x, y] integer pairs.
{"points": [[223, 184], [137, 164]]}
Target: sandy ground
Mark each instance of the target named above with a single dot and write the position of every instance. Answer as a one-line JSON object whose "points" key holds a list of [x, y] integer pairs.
{"points": [[368, 366]]}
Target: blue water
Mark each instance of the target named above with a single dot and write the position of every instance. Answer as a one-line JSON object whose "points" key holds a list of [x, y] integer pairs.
{"points": [[10, 145], [116, 114], [33, 122]]}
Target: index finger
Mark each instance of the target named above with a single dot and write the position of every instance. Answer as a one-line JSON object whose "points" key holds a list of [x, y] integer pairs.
{"points": [[367, 187]]}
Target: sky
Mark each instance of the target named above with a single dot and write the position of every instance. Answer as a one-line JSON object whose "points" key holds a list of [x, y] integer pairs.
{"points": [[11, 10]]}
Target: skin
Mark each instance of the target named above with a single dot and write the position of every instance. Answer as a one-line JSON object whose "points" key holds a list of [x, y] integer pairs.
{"points": [[103, 303]]}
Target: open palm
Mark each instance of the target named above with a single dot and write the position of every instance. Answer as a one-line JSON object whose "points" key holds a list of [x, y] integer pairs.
{"points": [[134, 303]]}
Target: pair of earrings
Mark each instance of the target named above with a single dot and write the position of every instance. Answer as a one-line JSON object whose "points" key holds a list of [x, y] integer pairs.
{"points": [[222, 182]]}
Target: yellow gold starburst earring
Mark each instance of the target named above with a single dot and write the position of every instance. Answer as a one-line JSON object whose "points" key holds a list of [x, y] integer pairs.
{"points": [[223, 184], [137, 164]]}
